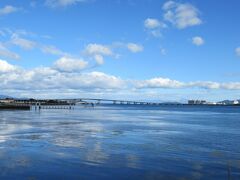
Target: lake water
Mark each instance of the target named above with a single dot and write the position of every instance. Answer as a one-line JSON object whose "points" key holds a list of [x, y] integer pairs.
{"points": [[121, 142]]}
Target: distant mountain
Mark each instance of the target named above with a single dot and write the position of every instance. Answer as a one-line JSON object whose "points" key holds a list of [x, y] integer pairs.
{"points": [[4, 97], [228, 102]]}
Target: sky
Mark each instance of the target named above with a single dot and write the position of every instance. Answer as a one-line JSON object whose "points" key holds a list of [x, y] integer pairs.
{"points": [[120, 49]]}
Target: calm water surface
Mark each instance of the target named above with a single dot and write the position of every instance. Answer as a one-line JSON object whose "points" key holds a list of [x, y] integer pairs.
{"points": [[121, 142]]}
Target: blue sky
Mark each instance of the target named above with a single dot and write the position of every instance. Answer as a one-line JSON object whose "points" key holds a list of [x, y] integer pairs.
{"points": [[149, 49]]}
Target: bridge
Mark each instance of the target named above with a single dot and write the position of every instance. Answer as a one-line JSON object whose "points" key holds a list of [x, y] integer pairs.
{"points": [[109, 101], [38, 104]]}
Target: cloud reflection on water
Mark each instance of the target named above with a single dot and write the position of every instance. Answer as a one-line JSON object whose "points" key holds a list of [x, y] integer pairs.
{"points": [[109, 139], [9, 130]]}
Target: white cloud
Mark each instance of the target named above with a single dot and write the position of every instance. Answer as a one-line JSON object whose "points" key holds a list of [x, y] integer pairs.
{"points": [[93, 49], [151, 23], [65, 78], [237, 50], [159, 83], [154, 26], [67, 64], [99, 59], [51, 80], [16, 39], [4, 52], [101, 80], [6, 67], [169, 16], [49, 49], [169, 5], [62, 3], [23, 43], [173, 84], [205, 85], [135, 47], [198, 41], [98, 51], [8, 10], [231, 86], [181, 15], [156, 33]]}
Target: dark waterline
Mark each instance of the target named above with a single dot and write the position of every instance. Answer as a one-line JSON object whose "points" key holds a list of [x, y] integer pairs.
{"points": [[121, 142]]}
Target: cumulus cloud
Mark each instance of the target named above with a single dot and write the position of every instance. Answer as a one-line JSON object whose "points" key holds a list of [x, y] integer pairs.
{"points": [[8, 9], [102, 81], [93, 49], [67, 79], [160, 82], [51, 79], [6, 53], [62, 3], [67, 64], [98, 51], [154, 26], [134, 47], [5, 67], [151, 23], [181, 15], [198, 41], [237, 50]]}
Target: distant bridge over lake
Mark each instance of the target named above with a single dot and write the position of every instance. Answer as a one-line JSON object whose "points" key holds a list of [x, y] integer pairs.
{"points": [[109, 101], [68, 103]]}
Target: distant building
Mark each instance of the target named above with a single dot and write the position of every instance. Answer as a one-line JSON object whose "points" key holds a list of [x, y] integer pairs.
{"points": [[7, 100], [212, 103], [235, 102], [197, 102], [191, 102], [229, 102]]}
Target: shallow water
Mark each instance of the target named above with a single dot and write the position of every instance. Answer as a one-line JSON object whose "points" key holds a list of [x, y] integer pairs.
{"points": [[121, 142]]}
